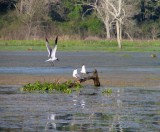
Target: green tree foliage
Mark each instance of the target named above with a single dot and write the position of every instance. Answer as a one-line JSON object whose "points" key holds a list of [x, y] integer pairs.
{"points": [[93, 25], [8, 20], [5, 5], [149, 10], [148, 18], [69, 17], [72, 20]]}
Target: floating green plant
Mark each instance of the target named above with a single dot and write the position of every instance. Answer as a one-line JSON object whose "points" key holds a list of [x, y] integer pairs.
{"points": [[153, 55], [66, 87], [107, 91]]}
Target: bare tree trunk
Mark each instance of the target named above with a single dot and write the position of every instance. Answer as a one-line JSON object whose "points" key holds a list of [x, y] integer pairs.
{"points": [[111, 11], [107, 27], [107, 20], [118, 28], [29, 26], [21, 6]]}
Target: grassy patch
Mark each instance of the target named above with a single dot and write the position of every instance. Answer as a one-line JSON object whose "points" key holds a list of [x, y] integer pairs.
{"points": [[80, 45], [67, 87]]}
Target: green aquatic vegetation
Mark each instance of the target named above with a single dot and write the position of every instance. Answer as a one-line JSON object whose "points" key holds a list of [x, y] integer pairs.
{"points": [[66, 87], [107, 91], [153, 55]]}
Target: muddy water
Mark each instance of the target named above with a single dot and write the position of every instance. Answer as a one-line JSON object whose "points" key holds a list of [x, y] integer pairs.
{"points": [[76, 59], [126, 109], [89, 110], [34, 62]]}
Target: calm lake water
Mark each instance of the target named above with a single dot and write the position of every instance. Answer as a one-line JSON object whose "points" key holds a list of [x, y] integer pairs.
{"points": [[89, 110], [34, 62]]}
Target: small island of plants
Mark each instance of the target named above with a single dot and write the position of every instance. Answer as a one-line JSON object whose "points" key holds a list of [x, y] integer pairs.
{"points": [[66, 87]]}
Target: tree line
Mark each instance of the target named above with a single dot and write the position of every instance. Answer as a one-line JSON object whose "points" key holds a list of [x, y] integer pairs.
{"points": [[34, 19]]}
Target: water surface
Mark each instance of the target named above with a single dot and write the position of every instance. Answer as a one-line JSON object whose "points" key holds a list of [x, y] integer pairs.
{"points": [[126, 109], [34, 62], [89, 110]]}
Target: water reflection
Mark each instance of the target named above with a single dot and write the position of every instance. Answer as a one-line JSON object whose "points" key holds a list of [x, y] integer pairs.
{"points": [[78, 101], [116, 123], [58, 122], [79, 104], [66, 121], [126, 109], [51, 122]]}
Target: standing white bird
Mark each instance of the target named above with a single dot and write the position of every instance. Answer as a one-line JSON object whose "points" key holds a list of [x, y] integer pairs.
{"points": [[75, 74], [83, 70], [52, 52]]}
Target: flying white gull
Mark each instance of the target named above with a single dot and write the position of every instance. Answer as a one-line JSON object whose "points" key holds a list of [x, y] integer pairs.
{"points": [[52, 52], [75, 74]]}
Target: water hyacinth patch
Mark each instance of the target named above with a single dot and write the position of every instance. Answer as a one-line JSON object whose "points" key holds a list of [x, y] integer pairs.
{"points": [[66, 87], [107, 91]]}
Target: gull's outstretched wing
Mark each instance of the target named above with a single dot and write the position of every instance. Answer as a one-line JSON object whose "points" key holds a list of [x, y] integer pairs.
{"points": [[55, 42], [48, 48], [53, 55]]}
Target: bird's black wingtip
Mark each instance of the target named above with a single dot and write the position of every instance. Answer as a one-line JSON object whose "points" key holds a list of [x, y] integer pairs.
{"points": [[56, 39], [46, 39]]}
